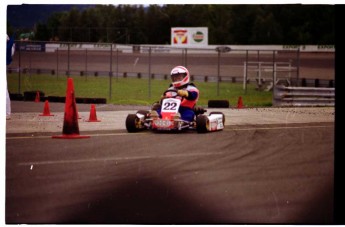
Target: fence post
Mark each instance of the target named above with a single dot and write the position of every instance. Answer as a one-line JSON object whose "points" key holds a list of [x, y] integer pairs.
{"points": [[20, 68], [111, 69], [86, 64], [259, 74], [274, 69], [245, 73], [149, 76], [68, 52], [57, 63], [117, 63], [218, 73], [30, 65]]}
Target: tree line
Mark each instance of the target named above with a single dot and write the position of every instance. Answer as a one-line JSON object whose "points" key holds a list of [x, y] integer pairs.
{"points": [[293, 24]]}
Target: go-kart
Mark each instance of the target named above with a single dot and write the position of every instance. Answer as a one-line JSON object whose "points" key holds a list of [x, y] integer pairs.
{"points": [[170, 118]]}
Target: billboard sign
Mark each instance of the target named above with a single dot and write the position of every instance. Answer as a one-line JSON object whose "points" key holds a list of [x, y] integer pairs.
{"points": [[189, 37]]}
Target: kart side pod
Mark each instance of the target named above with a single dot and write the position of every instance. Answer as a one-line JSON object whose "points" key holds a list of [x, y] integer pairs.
{"points": [[214, 122]]}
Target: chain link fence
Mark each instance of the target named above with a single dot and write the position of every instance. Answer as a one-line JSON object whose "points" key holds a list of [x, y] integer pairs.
{"points": [[265, 68]]}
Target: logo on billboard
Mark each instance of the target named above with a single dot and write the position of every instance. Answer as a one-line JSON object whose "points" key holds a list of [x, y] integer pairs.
{"points": [[180, 36], [198, 36], [189, 37]]}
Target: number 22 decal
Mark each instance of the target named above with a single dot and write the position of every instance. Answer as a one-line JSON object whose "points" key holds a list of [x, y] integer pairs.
{"points": [[170, 106]]}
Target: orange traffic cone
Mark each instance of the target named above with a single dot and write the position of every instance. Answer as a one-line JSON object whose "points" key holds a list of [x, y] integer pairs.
{"points": [[93, 115], [37, 99], [46, 111], [70, 125], [239, 103]]}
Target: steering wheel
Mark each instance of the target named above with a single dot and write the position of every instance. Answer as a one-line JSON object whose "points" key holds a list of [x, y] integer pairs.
{"points": [[172, 95]]}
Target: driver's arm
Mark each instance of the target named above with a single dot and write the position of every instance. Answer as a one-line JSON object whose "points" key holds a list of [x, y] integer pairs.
{"points": [[183, 93], [190, 95]]}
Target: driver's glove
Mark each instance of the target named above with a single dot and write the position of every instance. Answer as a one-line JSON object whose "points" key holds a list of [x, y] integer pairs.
{"points": [[182, 93]]}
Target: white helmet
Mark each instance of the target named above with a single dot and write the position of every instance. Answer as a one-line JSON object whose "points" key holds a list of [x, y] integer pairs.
{"points": [[179, 76]]}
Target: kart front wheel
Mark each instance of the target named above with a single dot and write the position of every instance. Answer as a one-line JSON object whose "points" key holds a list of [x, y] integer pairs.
{"points": [[133, 123], [202, 123]]}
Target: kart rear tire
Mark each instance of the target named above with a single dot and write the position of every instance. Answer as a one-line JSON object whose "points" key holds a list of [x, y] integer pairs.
{"points": [[132, 123], [143, 112], [202, 124]]}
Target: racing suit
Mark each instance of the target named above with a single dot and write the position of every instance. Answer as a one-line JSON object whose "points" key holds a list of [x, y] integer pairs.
{"points": [[187, 103]]}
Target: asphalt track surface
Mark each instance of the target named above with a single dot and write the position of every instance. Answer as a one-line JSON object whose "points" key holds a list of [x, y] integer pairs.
{"points": [[253, 173]]}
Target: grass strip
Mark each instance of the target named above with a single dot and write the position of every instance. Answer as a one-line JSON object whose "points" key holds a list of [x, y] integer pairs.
{"points": [[133, 91]]}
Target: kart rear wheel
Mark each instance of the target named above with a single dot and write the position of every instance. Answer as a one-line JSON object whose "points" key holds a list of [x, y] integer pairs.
{"points": [[133, 123], [143, 112], [202, 124]]}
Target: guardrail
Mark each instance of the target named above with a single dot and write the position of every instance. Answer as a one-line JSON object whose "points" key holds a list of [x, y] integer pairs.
{"points": [[261, 67], [303, 96]]}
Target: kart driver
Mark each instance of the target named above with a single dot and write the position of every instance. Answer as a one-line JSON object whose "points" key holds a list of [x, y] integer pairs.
{"points": [[188, 91]]}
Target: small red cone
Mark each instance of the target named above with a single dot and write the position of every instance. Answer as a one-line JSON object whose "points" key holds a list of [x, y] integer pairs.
{"points": [[37, 99], [93, 115], [70, 125], [239, 103], [46, 111]]}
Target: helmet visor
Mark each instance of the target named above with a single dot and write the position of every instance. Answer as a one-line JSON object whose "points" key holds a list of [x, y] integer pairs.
{"points": [[177, 77]]}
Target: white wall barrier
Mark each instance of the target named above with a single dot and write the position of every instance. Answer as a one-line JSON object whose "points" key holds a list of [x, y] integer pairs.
{"points": [[52, 47], [303, 96]]}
